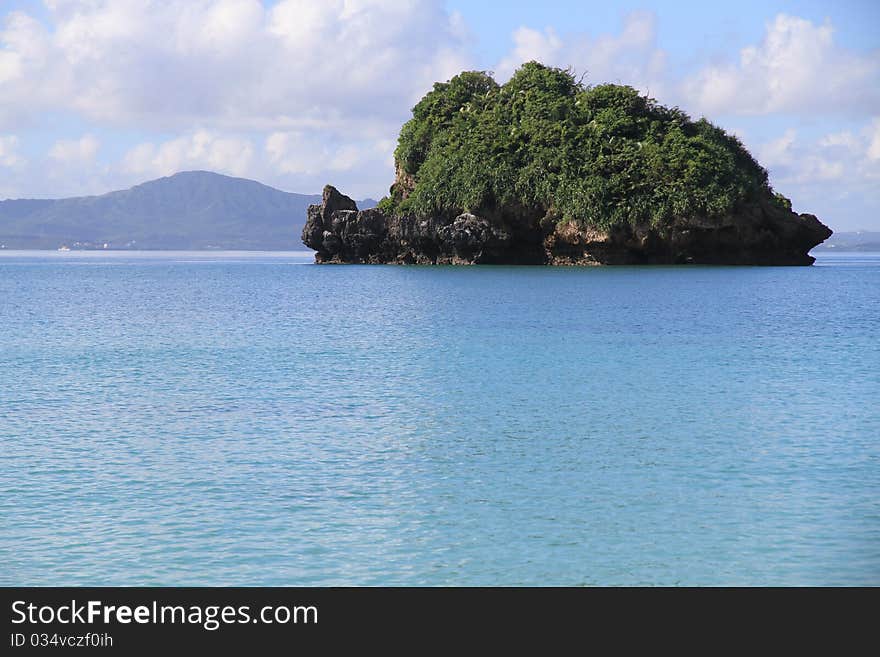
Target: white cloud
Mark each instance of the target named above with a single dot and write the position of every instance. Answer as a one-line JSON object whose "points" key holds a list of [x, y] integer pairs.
{"points": [[10, 66], [336, 78], [779, 150], [368, 164], [830, 175], [297, 152], [630, 57], [9, 156], [851, 161], [341, 64], [529, 44], [873, 135], [202, 149], [819, 169], [797, 68], [845, 140], [75, 151], [791, 162]]}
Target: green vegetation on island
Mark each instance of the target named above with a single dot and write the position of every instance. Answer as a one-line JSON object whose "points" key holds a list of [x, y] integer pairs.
{"points": [[601, 156]]}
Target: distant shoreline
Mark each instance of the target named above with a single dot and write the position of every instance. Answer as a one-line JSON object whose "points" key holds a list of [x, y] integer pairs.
{"points": [[280, 253], [116, 251], [861, 241]]}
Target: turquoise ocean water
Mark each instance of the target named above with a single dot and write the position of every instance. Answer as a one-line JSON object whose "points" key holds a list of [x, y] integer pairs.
{"points": [[228, 418]]}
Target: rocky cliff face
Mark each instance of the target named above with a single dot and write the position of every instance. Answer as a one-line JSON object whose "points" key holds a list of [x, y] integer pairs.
{"points": [[760, 234]]}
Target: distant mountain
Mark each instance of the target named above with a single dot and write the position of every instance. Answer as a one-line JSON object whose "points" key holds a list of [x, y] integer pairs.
{"points": [[861, 240], [189, 210]]}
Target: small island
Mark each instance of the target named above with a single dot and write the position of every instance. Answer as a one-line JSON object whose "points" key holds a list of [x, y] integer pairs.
{"points": [[546, 170]]}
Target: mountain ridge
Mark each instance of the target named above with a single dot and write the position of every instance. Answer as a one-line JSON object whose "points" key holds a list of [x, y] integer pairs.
{"points": [[187, 210]]}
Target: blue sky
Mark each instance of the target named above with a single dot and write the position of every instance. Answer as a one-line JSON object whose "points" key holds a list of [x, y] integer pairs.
{"points": [[103, 94]]}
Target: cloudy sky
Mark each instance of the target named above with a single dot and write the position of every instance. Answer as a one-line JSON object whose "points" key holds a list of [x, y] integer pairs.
{"points": [[98, 95]]}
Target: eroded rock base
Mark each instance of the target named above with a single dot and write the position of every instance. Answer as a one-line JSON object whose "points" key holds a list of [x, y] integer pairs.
{"points": [[760, 234]]}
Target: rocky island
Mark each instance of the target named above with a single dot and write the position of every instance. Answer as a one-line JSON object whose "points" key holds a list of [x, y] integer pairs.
{"points": [[545, 170]]}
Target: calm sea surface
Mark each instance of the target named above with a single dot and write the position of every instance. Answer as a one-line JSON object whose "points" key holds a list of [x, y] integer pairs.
{"points": [[229, 418]]}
